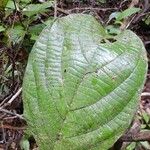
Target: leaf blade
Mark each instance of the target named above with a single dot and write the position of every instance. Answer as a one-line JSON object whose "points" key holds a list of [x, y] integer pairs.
{"points": [[33, 9], [77, 83], [126, 13]]}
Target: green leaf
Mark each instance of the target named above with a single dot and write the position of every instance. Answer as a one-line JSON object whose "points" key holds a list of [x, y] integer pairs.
{"points": [[126, 13], [25, 1], [145, 116], [113, 30], [49, 21], [10, 5], [122, 15], [34, 9], [131, 146], [145, 144], [146, 19], [36, 30], [2, 28], [25, 144], [3, 3], [113, 15], [81, 90], [15, 34]]}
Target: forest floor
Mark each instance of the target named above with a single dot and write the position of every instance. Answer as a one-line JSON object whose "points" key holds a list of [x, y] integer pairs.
{"points": [[14, 56]]}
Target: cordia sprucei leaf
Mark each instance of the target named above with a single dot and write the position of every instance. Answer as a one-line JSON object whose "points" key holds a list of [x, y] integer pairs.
{"points": [[3, 4], [80, 90]]}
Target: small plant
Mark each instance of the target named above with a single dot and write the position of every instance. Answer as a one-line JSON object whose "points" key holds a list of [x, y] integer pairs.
{"points": [[82, 86], [18, 32], [119, 18]]}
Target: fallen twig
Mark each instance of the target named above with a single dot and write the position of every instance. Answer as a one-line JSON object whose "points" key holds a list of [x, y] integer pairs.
{"points": [[147, 42], [132, 137], [145, 94], [4, 103], [126, 21], [141, 136], [12, 127], [55, 9], [91, 8], [11, 113], [63, 11], [144, 11], [67, 12], [15, 96]]}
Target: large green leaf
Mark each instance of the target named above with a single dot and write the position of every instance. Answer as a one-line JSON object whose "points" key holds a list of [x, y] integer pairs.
{"points": [[81, 91]]}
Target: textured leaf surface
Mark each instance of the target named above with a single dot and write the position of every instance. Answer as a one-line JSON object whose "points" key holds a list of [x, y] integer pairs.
{"points": [[79, 91]]}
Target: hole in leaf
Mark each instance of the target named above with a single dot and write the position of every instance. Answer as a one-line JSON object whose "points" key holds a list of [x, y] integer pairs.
{"points": [[103, 41], [65, 70], [112, 40], [96, 71]]}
